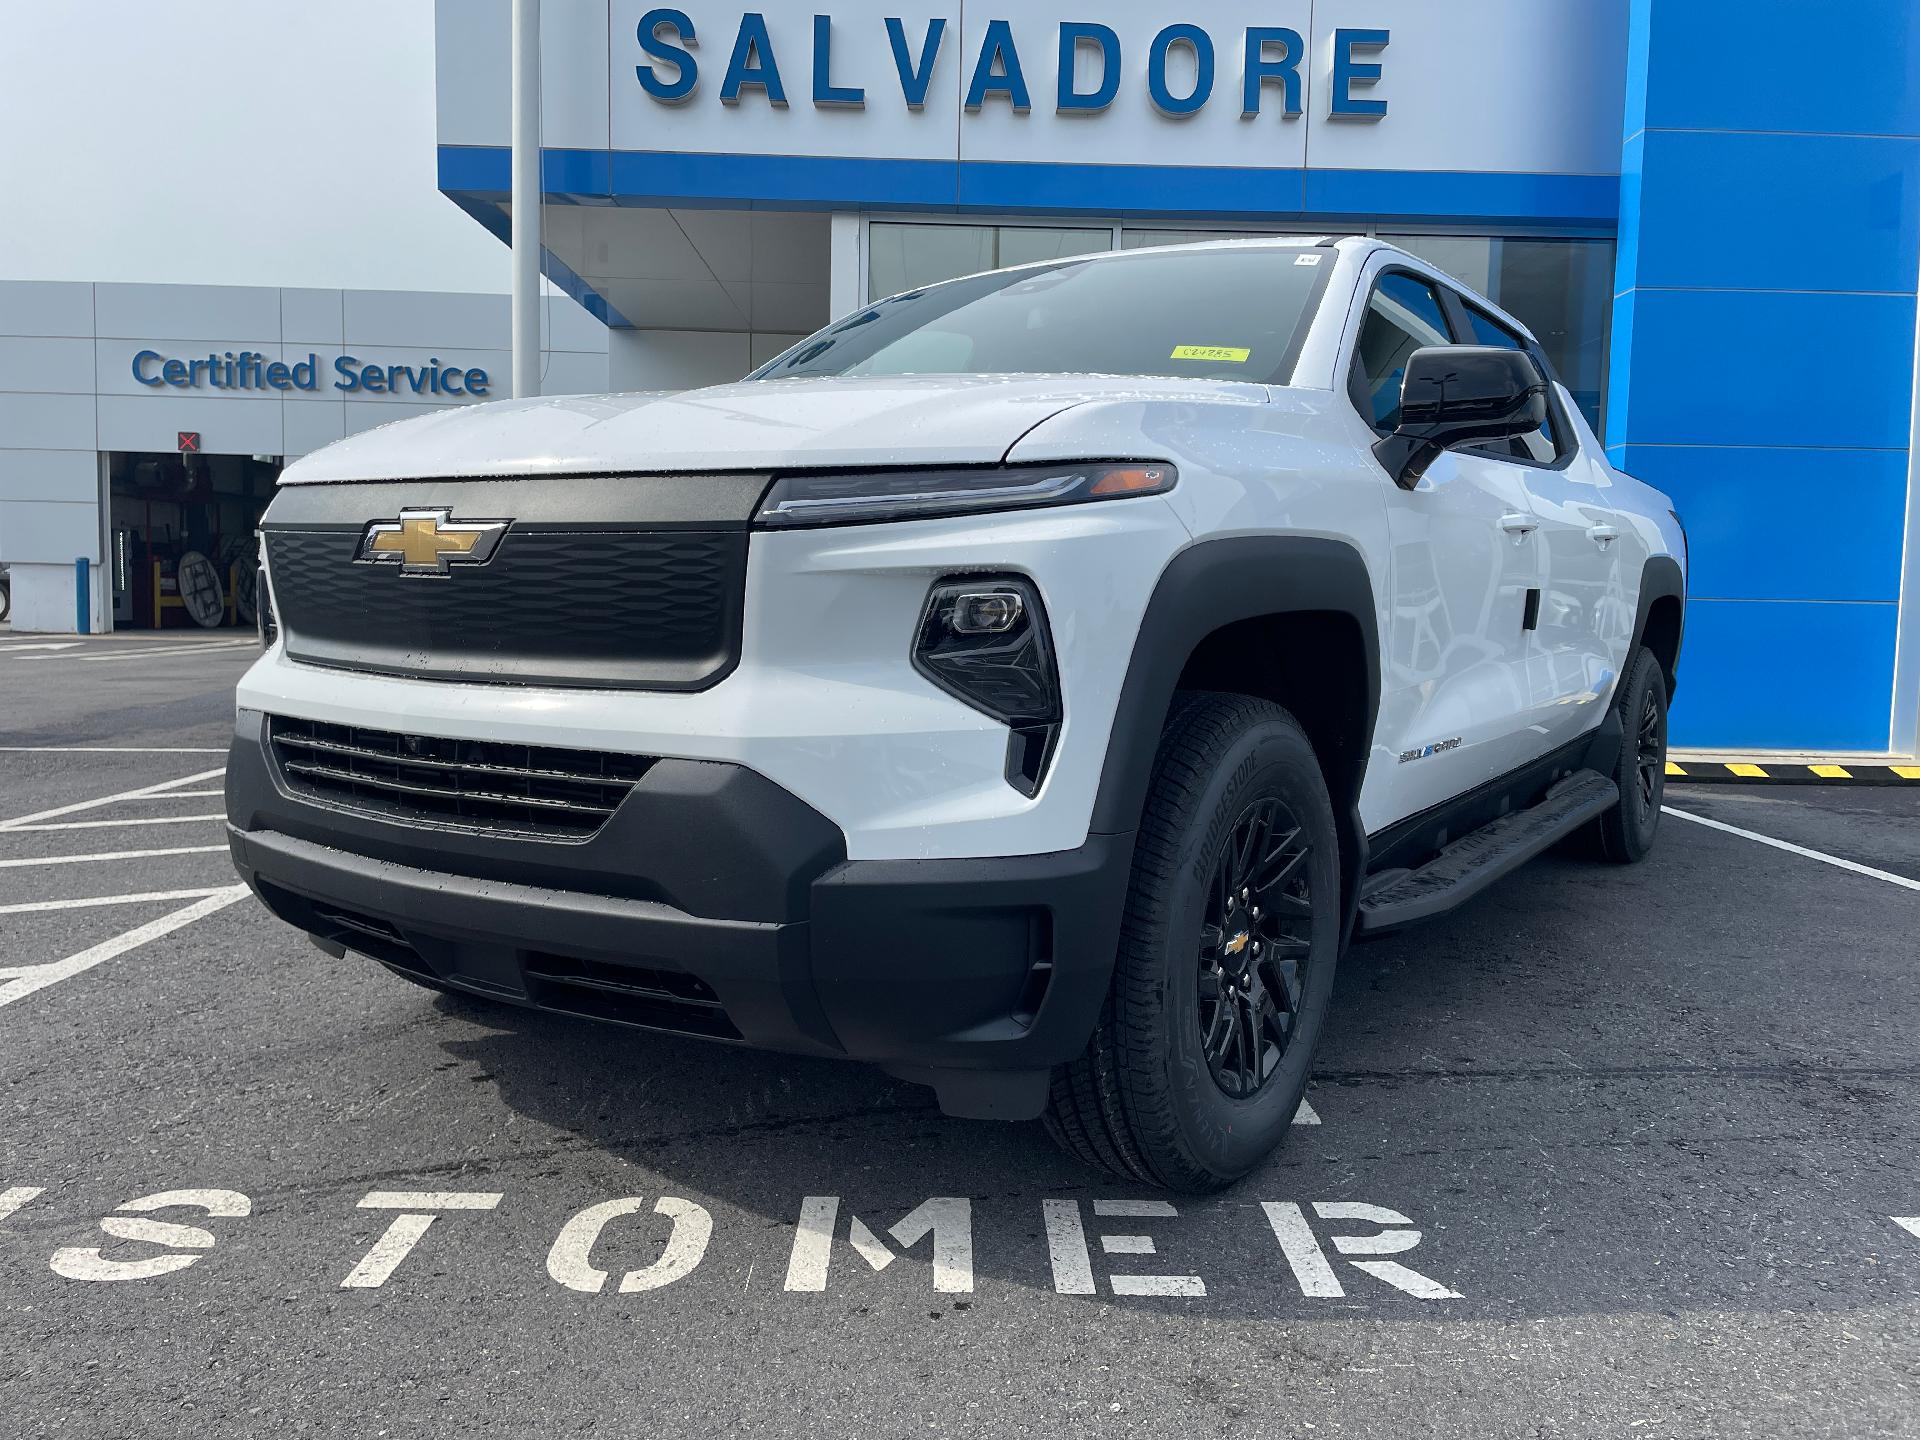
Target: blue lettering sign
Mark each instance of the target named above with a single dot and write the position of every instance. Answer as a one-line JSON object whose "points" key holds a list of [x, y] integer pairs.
{"points": [[1262, 71], [1164, 100], [916, 78], [997, 71], [141, 359], [753, 63], [1074, 34], [826, 94], [686, 68], [1347, 72]]}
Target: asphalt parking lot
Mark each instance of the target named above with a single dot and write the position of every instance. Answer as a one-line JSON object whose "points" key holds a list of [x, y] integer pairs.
{"points": [[1609, 1152]]}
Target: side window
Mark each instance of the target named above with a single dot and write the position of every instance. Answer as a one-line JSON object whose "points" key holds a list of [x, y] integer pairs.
{"points": [[1403, 315], [1540, 446]]}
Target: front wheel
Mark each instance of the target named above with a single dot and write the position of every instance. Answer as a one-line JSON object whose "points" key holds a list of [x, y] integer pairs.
{"points": [[1227, 954], [1625, 834]]}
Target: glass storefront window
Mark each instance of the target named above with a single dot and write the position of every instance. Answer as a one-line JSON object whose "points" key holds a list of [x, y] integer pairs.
{"points": [[1142, 239], [908, 256], [1561, 289]]}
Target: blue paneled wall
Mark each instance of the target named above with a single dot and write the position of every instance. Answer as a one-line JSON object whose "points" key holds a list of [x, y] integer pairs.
{"points": [[1763, 349]]}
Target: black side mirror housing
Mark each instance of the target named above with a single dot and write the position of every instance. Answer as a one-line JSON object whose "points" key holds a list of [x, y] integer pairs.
{"points": [[1455, 395]]}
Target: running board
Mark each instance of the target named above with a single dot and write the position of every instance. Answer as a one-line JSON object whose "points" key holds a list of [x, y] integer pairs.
{"points": [[1470, 864]]}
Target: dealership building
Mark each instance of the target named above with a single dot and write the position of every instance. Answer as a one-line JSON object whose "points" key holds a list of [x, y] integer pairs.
{"points": [[1708, 211]]}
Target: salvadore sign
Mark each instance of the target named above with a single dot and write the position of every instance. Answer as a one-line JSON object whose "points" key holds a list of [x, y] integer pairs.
{"points": [[1081, 75]]}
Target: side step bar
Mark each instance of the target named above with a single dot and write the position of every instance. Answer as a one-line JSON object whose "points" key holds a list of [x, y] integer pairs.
{"points": [[1473, 862]]}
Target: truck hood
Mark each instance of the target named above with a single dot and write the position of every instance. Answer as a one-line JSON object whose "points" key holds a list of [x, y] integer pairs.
{"points": [[761, 425]]}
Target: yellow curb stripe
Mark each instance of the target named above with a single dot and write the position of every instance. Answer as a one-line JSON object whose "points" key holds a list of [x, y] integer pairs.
{"points": [[1907, 772], [1831, 772], [1673, 769], [1751, 772]]}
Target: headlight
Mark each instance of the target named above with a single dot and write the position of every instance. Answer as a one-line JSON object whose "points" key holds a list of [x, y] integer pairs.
{"points": [[986, 642], [799, 500]]}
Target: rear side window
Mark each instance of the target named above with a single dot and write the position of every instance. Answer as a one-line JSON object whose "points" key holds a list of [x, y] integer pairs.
{"points": [[1404, 314], [1541, 446]]}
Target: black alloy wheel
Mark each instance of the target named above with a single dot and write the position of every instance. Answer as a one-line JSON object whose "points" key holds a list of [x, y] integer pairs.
{"points": [[1625, 834], [1255, 947], [1653, 750]]}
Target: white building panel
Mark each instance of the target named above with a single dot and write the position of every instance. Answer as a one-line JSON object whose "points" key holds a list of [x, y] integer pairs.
{"points": [[308, 427], [1547, 84], [396, 317], [47, 474], [45, 307], [47, 422], [51, 532], [312, 317], [194, 312], [234, 425], [46, 364]]}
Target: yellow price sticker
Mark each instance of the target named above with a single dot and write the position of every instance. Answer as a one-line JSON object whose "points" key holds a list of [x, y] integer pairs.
{"points": [[1219, 354]]}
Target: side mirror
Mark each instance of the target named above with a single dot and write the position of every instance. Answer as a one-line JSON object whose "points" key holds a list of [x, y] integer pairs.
{"points": [[1455, 395]]}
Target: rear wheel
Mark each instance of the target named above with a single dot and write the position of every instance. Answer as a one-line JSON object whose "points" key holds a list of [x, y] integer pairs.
{"points": [[1625, 834], [1226, 961]]}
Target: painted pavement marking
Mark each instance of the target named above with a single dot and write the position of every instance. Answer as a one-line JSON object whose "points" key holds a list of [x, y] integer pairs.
{"points": [[1792, 849], [77, 806], [21, 981], [88, 902], [109, 855]]}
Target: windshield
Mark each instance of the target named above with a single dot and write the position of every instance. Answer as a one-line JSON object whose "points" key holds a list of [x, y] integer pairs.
{"points": [[1206, 314]]}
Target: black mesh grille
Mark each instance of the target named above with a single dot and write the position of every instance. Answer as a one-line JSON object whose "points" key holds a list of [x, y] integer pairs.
{"points": [[653, 609], [481, 785]]}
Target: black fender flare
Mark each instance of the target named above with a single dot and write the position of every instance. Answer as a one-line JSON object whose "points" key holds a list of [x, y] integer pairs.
{"points": [[1660, 579], [1215, 583]]}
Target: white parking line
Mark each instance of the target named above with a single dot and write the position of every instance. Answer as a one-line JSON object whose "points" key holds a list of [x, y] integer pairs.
{"points": [[113, 749], [108, 855], [1793, 849], [190, 795], [111, 824], [28, 907], [21, 981], [80, 805], [218, 649]]}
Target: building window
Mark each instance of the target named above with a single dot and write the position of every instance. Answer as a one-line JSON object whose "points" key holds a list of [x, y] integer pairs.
{"points": [[904, 257], [1562, 290]]}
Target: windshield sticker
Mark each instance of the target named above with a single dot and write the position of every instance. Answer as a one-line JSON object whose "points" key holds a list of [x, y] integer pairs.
{"points": [[1219, 354], [1309, 259]]}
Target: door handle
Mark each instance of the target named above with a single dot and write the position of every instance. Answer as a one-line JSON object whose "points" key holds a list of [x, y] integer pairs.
{"points": [[1602, 535], [1519, 524]]}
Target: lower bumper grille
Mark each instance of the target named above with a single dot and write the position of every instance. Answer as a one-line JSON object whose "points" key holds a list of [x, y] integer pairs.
{"points": [[534, 790]]}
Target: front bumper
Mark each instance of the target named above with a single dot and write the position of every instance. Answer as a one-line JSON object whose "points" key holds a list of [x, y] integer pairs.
{"points": [[714, 903]]}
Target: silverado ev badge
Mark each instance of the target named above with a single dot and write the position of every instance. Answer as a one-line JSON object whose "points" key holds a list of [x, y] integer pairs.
{"points": [[429, 542]]}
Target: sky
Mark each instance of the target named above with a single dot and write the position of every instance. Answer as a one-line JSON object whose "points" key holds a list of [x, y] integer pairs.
{"points": [[228, 142]]}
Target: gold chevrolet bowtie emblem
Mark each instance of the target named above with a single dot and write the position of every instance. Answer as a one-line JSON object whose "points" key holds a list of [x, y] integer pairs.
{"points": [[430, 542]]}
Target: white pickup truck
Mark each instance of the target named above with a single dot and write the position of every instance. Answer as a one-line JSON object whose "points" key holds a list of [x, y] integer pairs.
{"points": [[1028, 684]]}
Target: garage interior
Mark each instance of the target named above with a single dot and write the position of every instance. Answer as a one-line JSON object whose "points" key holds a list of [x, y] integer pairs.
{"points": [[183, 549]]}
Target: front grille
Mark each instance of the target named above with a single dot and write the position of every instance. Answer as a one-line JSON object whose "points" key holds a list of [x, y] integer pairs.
{"points": [[534, 790], [614, 608]]}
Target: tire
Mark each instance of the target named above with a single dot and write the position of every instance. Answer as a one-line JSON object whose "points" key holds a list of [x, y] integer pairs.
{"points": [[1625, 834], [1154, 1099]]}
